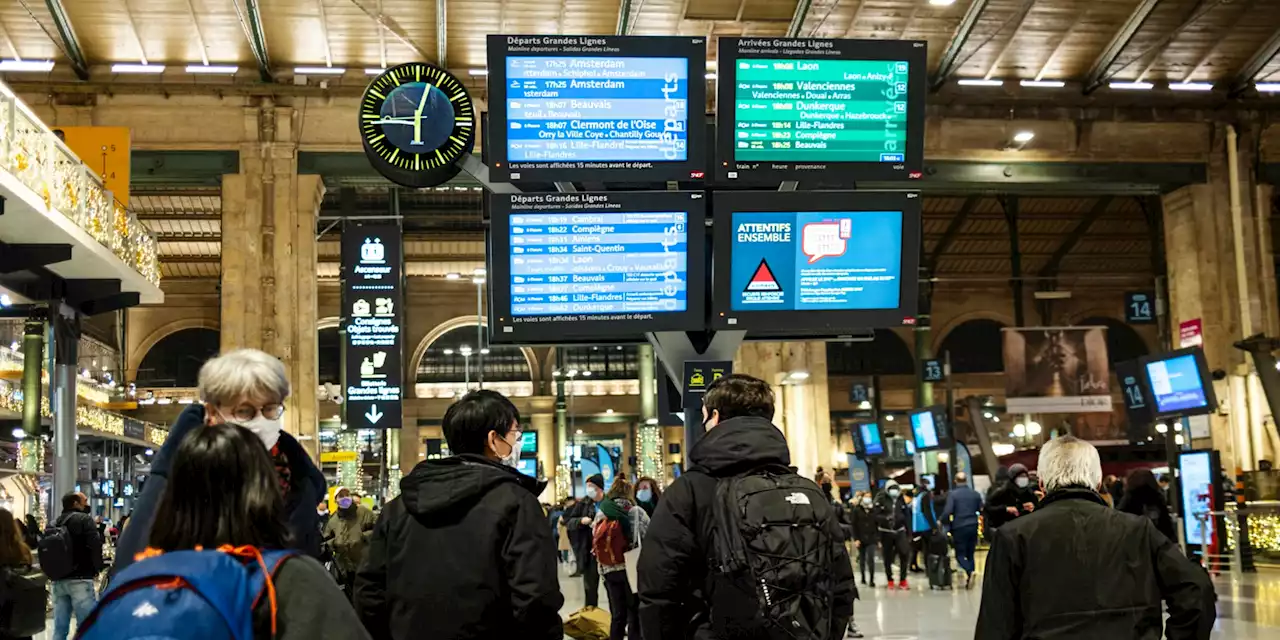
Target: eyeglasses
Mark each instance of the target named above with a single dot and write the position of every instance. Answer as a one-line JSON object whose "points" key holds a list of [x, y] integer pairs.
{"points": [[247, 412]]}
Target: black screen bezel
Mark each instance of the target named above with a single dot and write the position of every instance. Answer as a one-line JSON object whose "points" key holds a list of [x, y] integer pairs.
{"points": [[693, 167], [835, 174], [693, 318], [1206, 383], [810, 324], [861, 445], [940, 428]]}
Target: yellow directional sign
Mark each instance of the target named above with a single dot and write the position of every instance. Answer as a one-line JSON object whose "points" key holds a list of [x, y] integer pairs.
{"points": [[105, 150], [340, 456]]}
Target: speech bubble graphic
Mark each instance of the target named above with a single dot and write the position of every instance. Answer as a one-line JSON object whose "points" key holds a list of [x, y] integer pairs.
{"points": [[821, 239]]}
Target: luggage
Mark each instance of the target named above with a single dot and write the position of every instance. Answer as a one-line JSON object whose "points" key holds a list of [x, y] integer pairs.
{"points": [[939, 569], [775, 538], [23, 595], [193, 595], [588, 623]]}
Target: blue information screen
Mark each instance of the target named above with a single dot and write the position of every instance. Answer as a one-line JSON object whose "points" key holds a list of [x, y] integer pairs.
{"points": [[597, 109], [923, 430], [1196, 479], [528, 466], [810, 261], [1176, 384], [592, 263], [871, 440]]}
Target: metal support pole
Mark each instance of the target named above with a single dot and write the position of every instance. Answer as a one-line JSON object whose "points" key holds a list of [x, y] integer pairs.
{"points": [[562, 427], [1010, 205], [674, 349], [66, 343], [479, 335], [984, 437], [32, 358]]}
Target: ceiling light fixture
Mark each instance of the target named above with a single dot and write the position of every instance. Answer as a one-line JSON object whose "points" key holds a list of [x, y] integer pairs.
{"points": [[1267, 87], [5, 300], [319, 71], [1131, 86], [1191, 86], [213, 69], [129, 67], [942, 3], [452, 276], [711, 76], [479, 72], [373, 71], [1023, 137], [979, 82], [1043, 84], [26, 65]]}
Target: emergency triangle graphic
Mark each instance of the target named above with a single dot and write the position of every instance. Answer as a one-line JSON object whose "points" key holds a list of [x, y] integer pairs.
{"points": [[763, 279]]}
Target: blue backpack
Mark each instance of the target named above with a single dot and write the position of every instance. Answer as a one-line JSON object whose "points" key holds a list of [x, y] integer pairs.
{"points": [[187, 595]]}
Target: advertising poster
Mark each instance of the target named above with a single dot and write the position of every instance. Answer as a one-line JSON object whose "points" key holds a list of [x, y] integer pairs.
{"points": [[815, 261], [859, 475], [1196, 476], [1057, 370]]}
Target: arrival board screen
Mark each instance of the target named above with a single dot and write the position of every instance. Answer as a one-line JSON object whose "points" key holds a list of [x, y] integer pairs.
{"points": [[792, 108], [815, 261], [1176, 384], [924, 431], [583, 265], [570, 108]]}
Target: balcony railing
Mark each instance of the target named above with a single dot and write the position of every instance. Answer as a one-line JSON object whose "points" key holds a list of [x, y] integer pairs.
{"points": [[32, 153]]}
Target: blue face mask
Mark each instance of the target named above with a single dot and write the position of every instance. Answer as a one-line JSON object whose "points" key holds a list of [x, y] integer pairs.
{"points": [[644, 495], [344, 503]]}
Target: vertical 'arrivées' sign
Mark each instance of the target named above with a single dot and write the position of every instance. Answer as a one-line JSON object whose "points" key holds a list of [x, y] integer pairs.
{"points": [[372, 296]]}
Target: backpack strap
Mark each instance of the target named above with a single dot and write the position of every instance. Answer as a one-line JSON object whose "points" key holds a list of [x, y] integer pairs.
{"points": [[262, 570]]}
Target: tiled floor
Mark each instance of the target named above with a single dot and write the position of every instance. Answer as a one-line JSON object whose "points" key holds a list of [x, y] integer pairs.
{"points": [[1248, 609]]}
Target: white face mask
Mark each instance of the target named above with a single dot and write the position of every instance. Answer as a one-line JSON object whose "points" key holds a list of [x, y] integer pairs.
{"points": [[266, 429], [512, 459], [866, 502], [1022, 482]]}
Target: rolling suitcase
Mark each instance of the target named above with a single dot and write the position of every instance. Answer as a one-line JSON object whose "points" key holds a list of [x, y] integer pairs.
{"points": [[938, 568]]}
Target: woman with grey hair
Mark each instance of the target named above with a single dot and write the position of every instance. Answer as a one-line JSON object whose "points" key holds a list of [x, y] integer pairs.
{"points": [[249, 388]]}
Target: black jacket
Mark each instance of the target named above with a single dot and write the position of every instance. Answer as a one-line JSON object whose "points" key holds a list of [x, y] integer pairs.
{"points": [[309, 606], [673, 570], [580, 534], [864, 526], [86, 544], [891, 514], [1149, 503], [463, 553], [1004, 496], [1078, 569]]}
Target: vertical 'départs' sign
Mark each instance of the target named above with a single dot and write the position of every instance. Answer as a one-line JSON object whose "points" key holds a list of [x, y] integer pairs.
{"points": [[372, 293]]}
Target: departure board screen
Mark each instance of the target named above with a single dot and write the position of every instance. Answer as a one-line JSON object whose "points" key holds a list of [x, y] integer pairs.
{"points": [[830, 111], [586, 266], [824, 262], [573, 108]]}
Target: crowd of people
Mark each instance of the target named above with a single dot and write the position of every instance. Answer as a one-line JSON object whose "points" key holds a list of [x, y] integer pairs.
{"points": [[740, 546]]}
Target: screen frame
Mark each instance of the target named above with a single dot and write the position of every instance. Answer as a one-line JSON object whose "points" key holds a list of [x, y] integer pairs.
{"points": [[939, 428], [861, 444], [1206, 383], [693, 167], [693, 318], [843, 174], [822, 323], [1215, 487], [527, 436]]}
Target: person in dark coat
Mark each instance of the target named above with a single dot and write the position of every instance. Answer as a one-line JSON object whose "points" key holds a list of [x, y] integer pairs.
{"points": [[865, 535], [578, 521], [677, 599], [1077, 569], [1012, 499], [464, 551], [245, 387], [893, 521], [1144, 497], [960, 515]]}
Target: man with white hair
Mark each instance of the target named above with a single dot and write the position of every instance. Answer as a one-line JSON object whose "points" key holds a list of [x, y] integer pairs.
{"points": [[1077, 569]]}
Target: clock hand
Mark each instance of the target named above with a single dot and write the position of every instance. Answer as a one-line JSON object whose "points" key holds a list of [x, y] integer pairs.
{"points": [[417, 115]]}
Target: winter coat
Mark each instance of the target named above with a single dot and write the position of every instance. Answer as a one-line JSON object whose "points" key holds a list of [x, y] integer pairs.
{"points": [[463, 552], [864, 526], [963, 506], [350, 529], [674, 570], [1005, 496], [1077, 569], [891, 514], [1149, 503]]}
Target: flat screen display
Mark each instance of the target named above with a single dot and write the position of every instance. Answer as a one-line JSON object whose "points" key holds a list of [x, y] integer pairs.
{"points": [[825, 262], [834, 111], [872, 439], [1196, 477], [573, 108], [528, 466], [1176, 384], [924, 431], [529, 442], [591, 266]]}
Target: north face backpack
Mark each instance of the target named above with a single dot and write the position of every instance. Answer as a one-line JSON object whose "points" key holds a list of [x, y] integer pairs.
{"points": [[187, 595], [609, 543], [55, 550], [773, 548]]}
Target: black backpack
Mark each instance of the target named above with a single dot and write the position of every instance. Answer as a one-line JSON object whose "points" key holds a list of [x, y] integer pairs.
{"points": [[23, 593], [775, 535], [56, 551]]}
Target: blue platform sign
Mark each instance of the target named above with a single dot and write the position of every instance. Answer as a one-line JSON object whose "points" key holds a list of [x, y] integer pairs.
{"points": [[859, 474], [1140, 307]]}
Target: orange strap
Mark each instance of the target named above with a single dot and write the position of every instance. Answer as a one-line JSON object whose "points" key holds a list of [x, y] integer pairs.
{"points": [[249, 551]]}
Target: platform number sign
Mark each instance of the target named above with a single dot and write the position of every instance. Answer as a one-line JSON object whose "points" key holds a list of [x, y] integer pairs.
{"points": [[931, 371], [1140, 307]]}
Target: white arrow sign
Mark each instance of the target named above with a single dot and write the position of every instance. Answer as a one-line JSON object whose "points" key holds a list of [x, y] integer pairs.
{"points": [[373, 414]]}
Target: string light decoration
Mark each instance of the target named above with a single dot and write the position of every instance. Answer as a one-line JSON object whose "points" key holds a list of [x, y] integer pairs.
{"points": [[1264, 531], [649, 453], [349, 474]]}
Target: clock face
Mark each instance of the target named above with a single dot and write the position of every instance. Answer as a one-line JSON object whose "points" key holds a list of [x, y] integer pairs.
{"points": [[416, 122]]}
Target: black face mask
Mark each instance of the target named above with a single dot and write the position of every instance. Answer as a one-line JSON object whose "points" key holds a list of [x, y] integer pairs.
{"points": [[826, 488]]}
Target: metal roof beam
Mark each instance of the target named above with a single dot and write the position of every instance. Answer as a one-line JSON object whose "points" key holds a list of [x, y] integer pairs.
{"points": [[624, 18], [1098, 72], [442, 33], [1253, 68], [953, 231], [68, 35], [257, 39], [947, 65], [22, 257], [1054, 265], [798, 18]]}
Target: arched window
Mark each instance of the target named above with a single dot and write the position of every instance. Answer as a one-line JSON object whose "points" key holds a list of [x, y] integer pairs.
{"points": [[976, 346], [605, 362], [887, 354], [1123, 343], [176, 359], [330, 356], [443, 360]]}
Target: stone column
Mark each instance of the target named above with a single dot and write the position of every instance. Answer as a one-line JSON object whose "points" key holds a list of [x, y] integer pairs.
{"points": [[269, 261], [803, 406], [542, 421], [1201, 249]]}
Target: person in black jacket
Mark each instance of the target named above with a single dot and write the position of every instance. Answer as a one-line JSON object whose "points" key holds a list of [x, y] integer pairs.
{"points": [[245, 387], [577, 521], [893, 520], [1144, 497], [678, 593], [1077, 569], [464, 551], [865, 535], [75, 592], [1014, 498]]}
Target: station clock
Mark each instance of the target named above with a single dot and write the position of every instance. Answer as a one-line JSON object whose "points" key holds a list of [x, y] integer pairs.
{"points": [[417, 121]]}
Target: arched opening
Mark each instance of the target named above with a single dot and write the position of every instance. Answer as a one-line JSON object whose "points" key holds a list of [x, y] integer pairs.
{"points": [[453, 357], [176, 359], [330, 356], [1123, 342], [886, 355], [976, 346], [605, 362]]}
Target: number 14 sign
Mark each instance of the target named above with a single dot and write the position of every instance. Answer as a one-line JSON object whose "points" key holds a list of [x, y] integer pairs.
{"points": [[1140, 307]]}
